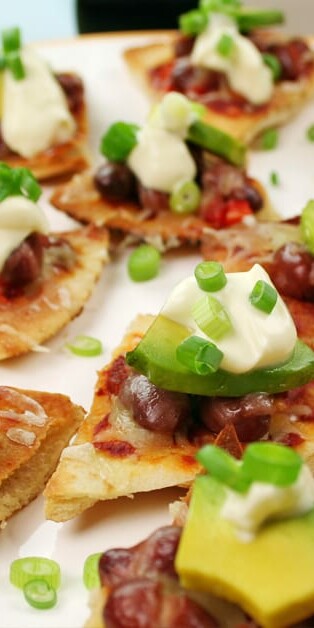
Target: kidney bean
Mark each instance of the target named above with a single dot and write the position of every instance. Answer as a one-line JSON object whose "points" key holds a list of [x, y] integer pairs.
{"points": [[24, 264], [250, 414], [292, 271], [73, 89], [181, 612], [186, 77], [294, 57], [135, 604], [151, 199], [154, 408], [115, 181], [183, 45]]}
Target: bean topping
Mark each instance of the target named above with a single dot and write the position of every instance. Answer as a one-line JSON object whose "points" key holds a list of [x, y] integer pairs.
{"points": [[183, 45], [152, 200], [292, 271], [250, 414], [154, 408], [73, 88], [25, 263], [134, 604], [115, 181]]}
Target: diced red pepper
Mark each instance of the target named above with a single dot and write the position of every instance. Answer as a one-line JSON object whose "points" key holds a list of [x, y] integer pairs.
{"points": [[222, 214]]}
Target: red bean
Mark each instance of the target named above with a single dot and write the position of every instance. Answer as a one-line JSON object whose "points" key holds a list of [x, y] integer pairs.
{"points": [[188, 78], [154, 408], [115, 182], [135, 604], [250, 414], [183, 45], [152, 200], [73, 88], [24, 264], [292, 271]]}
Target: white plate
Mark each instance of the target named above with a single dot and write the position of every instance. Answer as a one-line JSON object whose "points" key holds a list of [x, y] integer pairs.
{"points": [[112, 95]]}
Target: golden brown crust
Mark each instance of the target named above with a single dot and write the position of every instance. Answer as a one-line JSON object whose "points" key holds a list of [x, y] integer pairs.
{"points": [[288, 97], [80, 199], [60, 160], [113, 456], [28, 320], [25, 469]]}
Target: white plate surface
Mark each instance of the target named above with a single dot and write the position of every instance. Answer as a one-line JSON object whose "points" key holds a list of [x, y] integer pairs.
{"points": [[112, 95]]}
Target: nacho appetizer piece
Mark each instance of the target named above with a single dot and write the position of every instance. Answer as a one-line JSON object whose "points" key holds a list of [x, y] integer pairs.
{"points": [[34, 428], [244, 556], [166, 182], [221, 363], [249, 78], [285, 250], [43, 114], [45, 278]]}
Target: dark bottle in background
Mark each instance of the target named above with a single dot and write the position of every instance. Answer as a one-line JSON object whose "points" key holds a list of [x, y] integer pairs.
{"points": [[125, 15]]}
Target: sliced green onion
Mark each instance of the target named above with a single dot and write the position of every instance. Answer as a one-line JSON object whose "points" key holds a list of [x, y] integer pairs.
{"points": [[225, 45], [307, 225], [16, 181], [185, 197], [11, 40], [218, 142], [29, 185], [219, 6], [210, 276], [274, 65], [90, 571], [263, 296], [85, 346], [274, 178], [2, 63], [23, 570], [199, 355], [249, 18], [310, 133], [269, 139], [119, 141], [223, 467], [39, 594], [193, 22], [144, 263], [272, 463], [14, 63], [211, 317]]}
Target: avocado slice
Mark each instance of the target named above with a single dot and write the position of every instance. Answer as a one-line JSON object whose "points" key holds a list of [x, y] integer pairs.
{"points": [[217, 142], [155, 357], [270, 577], [249, 18]]}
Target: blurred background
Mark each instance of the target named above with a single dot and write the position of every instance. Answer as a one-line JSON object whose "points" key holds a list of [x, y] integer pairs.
{"points": [[55, 19]]}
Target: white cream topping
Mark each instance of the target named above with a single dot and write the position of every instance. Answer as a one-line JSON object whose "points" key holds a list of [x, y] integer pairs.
{"points": [[263, 502], [245, 69], [19, 217], [256, 339], [175, 113], [35, 114], [161, 159]]}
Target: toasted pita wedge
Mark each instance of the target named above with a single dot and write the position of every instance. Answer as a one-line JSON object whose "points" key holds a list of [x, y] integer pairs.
{"points": [[239, 247], [234, 116], [28, 319], [80, 199], [34, 428], [62, 159], [113, 456]]}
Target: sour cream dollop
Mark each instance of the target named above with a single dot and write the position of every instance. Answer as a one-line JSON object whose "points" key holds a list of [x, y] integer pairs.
{"points": [[257, 339], [35, 114], [245, 69]]}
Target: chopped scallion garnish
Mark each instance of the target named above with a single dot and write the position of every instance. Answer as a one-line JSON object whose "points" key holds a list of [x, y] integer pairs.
{"points": [[193, 22], [85, 346], [272, 463], [307, 225], [199, 355], [310, 133], [18, 181], [185, 198], [90, 571], [23, 570], [210, 276], [11, 40], [274, 65], [274, 178], [144, 263], [225, 45], [223, 467], [119, 141], [263, 296], [11, 43], [39, 594], [269, 139], [211, 317]]}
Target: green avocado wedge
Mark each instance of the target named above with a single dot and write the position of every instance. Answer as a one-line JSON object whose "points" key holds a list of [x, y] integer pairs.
{"points": [[155, 357], [271, 577], [218, 142]]}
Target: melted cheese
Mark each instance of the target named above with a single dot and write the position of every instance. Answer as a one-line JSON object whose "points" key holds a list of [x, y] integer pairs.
{"points": [[19, 217], [256, 339], [161, 159], [35, 114], [266, 501], [245, 69]]}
